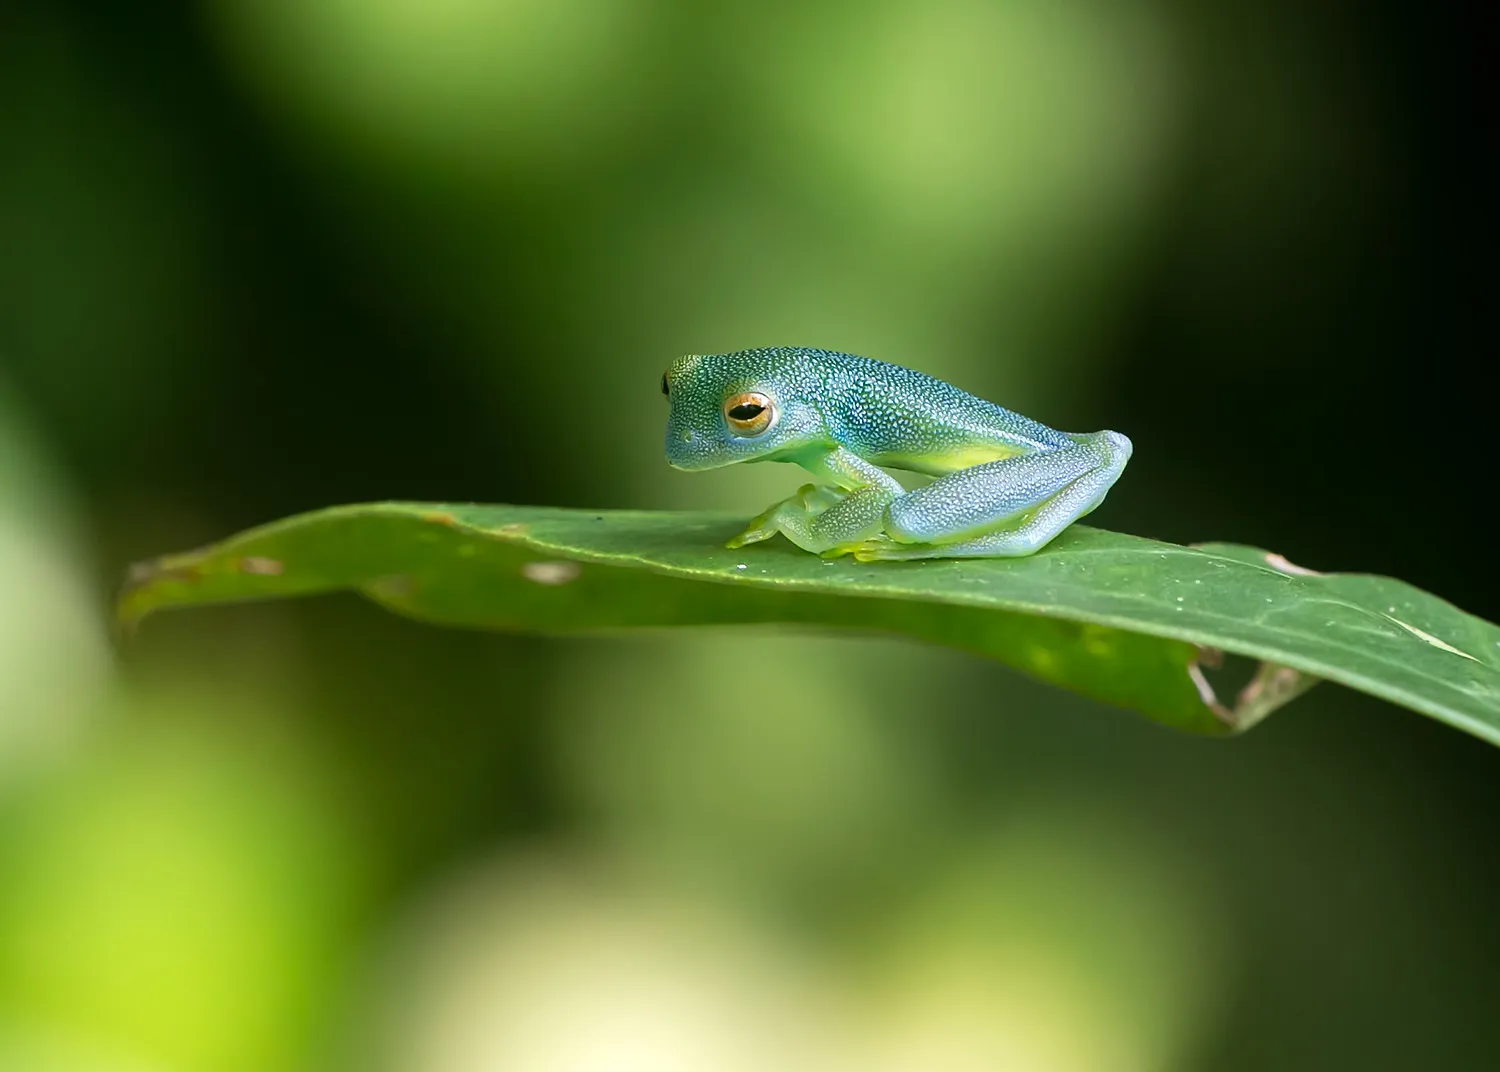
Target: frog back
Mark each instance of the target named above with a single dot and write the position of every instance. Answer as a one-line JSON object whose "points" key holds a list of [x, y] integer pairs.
{"points": [[901, 418]]}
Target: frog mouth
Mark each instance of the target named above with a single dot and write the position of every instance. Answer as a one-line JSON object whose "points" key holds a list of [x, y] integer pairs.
{"points": [[687, 450], [694, 451]]}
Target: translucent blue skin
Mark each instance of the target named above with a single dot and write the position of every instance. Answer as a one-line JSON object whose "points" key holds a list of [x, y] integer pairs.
{"points": [[1006, 485]]}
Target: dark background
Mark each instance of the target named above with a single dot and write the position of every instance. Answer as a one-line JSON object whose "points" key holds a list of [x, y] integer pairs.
{"points": [[256, 259]]}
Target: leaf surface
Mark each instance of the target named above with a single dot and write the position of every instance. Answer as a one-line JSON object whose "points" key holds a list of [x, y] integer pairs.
{"points": [[1125, 620]]}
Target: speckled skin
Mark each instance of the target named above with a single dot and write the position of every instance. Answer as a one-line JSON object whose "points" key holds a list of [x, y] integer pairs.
{"points": [[1006, 484]]}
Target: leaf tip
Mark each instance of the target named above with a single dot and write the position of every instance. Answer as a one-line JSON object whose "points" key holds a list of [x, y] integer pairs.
{"points": [[139, 592], [131, 606]]}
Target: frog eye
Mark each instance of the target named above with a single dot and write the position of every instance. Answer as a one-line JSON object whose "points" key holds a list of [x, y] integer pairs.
{"points": [[748, 414]]}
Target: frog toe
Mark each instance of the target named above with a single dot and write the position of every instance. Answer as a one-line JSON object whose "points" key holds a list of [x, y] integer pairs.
{"points": [[754, 534], [875, 549]]}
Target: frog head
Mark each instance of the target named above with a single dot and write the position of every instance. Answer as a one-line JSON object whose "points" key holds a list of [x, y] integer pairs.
{"points": [[740, 407]]}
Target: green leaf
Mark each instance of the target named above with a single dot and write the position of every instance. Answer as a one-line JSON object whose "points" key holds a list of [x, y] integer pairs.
{"points": [[1128, 621]]}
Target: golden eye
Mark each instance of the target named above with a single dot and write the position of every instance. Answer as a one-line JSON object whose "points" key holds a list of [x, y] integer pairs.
{"points": [[748, 414]]}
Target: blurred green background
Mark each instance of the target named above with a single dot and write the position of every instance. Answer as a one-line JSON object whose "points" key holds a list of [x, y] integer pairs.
{"points": [[261, 257]]}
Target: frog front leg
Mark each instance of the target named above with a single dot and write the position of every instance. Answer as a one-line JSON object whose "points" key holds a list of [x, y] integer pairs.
{"points": [[833, 517], [1002, 509]]}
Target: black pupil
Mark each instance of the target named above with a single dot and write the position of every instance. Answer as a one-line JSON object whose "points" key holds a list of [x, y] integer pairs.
{"points": [[664, 383], [746, 411]]}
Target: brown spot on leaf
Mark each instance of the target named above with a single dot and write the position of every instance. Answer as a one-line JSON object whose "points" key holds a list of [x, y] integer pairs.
{"points": [[1279, 562], [267, 567], [141, 573], [550, 572]]}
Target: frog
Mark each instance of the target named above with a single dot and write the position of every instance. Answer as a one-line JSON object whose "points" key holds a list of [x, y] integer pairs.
{"points": [[1003, 485]]}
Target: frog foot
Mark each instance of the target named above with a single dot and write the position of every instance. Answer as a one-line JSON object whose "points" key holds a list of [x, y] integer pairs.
{"points": [[809, 501], [757, 531]]}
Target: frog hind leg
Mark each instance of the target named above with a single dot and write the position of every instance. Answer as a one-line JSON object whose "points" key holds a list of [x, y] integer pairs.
{"points": [[1003, 509]]}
